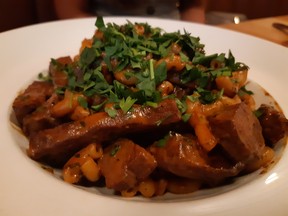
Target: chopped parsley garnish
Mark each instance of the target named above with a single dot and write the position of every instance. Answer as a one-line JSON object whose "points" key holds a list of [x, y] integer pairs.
{"points": [[207, 97], [139, 56], [258, 113], [162, 142], [114, 151], [42, 77], [243, 91], [82, 102], [126, 104], [112, 112], [186, 117]]}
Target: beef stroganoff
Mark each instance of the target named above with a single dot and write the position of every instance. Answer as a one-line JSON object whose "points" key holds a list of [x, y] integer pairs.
{"points": [[147, 112]]}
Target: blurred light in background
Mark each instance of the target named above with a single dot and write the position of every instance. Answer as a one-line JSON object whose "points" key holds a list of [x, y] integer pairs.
{"points": [[237, 19]]}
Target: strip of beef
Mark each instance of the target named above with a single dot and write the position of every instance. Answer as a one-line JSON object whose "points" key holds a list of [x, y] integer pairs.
{"points": [[274, 124], [183, 156], [41, 118], [33, 97], [124, 164], [56, 145], [239, 132]]}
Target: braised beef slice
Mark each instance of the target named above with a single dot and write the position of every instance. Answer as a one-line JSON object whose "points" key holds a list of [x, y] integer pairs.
{"points": [[239, 132], [41, 118], [56, 145], [33, 97], [124, 164], [183, 156], [274, 124]]}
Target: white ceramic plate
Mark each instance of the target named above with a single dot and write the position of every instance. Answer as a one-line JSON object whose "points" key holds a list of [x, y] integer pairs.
{"points": [[26, 189]]}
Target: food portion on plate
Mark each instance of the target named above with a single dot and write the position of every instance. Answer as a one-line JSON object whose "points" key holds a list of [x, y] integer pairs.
{"points": [[143, 111]]}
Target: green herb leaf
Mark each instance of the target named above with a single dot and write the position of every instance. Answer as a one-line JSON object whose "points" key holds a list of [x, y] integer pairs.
{"points": [[163, 48], [184, 58], [208, 97], [182, 106], [151, 69], [54, 62], [114, 150], [202, 59], [193, 98], [82, 102], [98, 106], [111, 112], [87, 56], [221, 72], [151, 104], [258, 113], [100, 22], [203, 81], [42, 77], [242, 91], [160, 73], [147, 86], [162, 142], [190, 74], [60, 90], [186, 117], [126, 104], [119, 89]]}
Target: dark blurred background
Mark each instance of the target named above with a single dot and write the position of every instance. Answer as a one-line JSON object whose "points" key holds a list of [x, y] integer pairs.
{"points": [[15, 13]]}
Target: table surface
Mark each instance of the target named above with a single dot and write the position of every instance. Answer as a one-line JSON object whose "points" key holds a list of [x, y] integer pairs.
{"points": [[262, 28]]}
